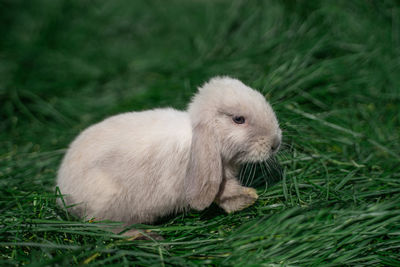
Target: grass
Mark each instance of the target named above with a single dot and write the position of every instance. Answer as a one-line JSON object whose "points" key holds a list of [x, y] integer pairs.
{"points": [[331, 69]]}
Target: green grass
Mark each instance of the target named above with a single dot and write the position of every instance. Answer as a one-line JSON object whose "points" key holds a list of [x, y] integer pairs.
{"points": [[331, 69]]}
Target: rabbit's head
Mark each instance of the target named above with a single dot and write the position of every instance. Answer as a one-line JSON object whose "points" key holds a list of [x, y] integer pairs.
{"points": [[232, 124], [241, 122]]}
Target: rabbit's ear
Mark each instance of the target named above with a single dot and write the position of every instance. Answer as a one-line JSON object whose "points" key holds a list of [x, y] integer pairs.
{"points": [[204, 172]]}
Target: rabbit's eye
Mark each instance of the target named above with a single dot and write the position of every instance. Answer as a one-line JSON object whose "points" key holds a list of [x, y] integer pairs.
{"points": [[238, 119]]}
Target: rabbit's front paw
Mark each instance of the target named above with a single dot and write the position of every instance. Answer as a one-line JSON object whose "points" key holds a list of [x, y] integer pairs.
{"points": [[244, 199]]}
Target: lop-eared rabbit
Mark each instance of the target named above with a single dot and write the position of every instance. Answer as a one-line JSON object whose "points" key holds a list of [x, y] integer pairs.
{"points": [[139, 166]]}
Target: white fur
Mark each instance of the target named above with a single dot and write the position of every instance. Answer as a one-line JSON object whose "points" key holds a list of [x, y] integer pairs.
{"points": [[133, 167]]}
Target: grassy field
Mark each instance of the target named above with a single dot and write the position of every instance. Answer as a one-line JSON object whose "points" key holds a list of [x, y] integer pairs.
{"points": [[331, 70]]}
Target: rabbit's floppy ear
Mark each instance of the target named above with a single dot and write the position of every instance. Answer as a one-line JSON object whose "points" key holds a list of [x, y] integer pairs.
{"points": [[204, 172]]}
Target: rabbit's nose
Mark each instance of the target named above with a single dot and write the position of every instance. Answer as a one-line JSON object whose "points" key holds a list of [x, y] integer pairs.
{"points": [[276, 143]]}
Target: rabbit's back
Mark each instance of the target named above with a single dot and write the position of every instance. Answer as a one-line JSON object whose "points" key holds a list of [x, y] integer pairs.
{"points": [[129, 167]]}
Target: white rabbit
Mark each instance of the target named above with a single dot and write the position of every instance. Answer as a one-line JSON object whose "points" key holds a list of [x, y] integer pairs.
{"points": [[138, 166]]}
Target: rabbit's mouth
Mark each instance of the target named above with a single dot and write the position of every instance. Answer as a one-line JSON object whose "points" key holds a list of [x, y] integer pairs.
{"points": [[262, 149]]}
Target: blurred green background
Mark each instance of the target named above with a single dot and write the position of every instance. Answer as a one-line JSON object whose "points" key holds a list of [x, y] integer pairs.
{"points": [[331, 70]]}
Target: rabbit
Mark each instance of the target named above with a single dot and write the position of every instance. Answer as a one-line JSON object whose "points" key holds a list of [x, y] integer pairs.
{"points": [[139, 166]]}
